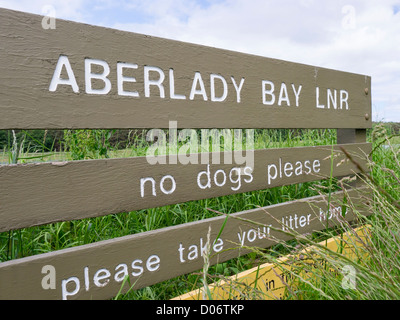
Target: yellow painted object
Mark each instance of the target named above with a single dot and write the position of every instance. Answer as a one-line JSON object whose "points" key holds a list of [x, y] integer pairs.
{"points": [[270, 281]]}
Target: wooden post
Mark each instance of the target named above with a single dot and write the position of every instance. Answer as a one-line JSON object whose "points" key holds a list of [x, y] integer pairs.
{"points": [[345, 136], [351, 136]]}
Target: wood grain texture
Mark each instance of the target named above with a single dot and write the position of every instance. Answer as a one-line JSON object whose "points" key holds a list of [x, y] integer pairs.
{"points": [[48, 192], [29, 56], [174, 247]]}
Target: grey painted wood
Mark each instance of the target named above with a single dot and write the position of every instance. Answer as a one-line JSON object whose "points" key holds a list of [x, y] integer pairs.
{"points": [[48, 192], [29, 99], [351, 136], [168, 252]]}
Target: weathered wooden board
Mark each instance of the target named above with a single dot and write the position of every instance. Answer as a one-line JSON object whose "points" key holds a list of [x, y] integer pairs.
{"points": [[96, 271], [48, 192], [270, 280], [82, 76]]}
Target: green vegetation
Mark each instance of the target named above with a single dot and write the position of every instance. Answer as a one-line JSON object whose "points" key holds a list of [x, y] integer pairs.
{"points": [[380, 270]]}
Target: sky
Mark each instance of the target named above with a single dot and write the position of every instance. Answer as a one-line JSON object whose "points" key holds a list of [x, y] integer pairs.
{"points": [[360, 36]]}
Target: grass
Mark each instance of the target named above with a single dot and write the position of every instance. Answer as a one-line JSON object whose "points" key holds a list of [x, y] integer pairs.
{"points": [[385, 170]]}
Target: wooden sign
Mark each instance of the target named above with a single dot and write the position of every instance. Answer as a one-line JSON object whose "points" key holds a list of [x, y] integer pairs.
{"points": [[62, 191], [97, 271], [82, 76]]}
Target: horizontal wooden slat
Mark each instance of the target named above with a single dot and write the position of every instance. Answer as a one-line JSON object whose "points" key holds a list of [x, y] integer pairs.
{"points": [[30, 99], [162, 254], [41, 193]]}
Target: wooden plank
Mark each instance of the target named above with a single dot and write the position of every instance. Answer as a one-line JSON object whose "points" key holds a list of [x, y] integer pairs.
{"points": [[52, 79], [270, 280], [48, 192], [351, 136], [95, 271]]}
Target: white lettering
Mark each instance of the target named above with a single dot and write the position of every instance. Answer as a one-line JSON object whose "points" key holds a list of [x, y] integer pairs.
{"points": [[56, 80], [181, 249], [295, 221], [98, 76], [223, 178], [297, 93], [64, 291], [87, 280], [153, 263], [202, 91], [121, 79], [238, 89], [344, 96], [270, 176], [283, 95], [242, 237], [200, 180], [238, 180], [173, 187], [218, 245], [172, 87], [269, 92], [101, 275], [121, 274], [136, 265], [157, 82], [332, 98], [253, 235], [316, 166], [320, 106], [196, 251], [153, 186], [212, 84], [287, 169]]}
